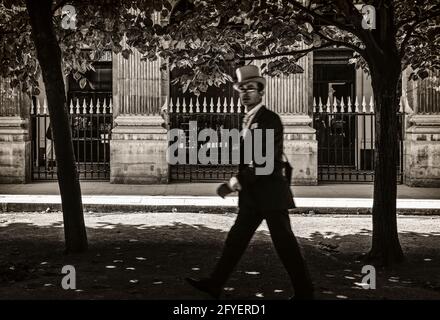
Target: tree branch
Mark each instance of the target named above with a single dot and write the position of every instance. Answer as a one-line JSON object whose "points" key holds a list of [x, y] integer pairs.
{"points": [[296, 4], [288, 53], [340, 43]]}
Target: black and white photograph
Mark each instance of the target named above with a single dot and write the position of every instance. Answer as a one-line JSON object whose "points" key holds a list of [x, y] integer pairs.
{"points": [[220, 158]]}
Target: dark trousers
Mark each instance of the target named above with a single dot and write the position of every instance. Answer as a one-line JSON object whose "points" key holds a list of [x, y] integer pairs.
{"points": [[283, 239]]}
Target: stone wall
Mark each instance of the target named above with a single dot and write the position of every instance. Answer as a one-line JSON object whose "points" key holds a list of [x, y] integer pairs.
{"points": [[301, 149], [138, 150], [422, 151], [15, 150]]}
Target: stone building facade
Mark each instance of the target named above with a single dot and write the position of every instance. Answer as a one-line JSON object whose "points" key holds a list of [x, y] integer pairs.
{"points": [[137, 145]]}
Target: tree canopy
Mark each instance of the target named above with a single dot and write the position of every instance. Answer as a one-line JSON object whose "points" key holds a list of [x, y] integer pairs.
{"points": [[208, 36], [96, 27]]}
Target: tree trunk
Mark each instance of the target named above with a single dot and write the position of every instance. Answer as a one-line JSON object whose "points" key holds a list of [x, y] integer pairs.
{"points": [[49, 57], [386, 249]]}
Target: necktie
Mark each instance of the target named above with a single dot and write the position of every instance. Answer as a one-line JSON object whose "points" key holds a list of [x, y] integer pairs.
{"points": [[246, 120]]}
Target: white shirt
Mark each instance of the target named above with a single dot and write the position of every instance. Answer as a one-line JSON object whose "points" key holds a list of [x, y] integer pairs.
{"points": [[234, 184], [251, 114]]}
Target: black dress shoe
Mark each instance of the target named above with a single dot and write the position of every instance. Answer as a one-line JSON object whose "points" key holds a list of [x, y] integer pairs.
{"points": [[206, 286]]}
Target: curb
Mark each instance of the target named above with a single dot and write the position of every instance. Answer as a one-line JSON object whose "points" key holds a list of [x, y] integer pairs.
{"points": [[113, 208]]}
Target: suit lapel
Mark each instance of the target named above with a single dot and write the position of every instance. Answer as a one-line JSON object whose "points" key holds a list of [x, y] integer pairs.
{"points": [[257, 115]]}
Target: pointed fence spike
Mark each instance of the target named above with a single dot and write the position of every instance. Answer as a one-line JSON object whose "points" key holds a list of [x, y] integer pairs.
{"points": [[98, 105], [342, 104], [320, 105], [211, 105], [191, 106], [328, 106], [232, 105], [197, 105], [177, 105], [349, 104], [225, 105], [364, 105], [371, 104], [77, 106], [104, 106], [169, 104], [219, 104], [71, 107], [45, 106], [204, 105], [38, 106], [84, 106], [314, 104], [110, 105], [356, 104], [335, 105], [91, 106], [184, 105]]}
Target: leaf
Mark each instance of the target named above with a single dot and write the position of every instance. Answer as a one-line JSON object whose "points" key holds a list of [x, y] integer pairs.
{"points": [[252, 272], [77, 76], [126, 53], [83, 83]]}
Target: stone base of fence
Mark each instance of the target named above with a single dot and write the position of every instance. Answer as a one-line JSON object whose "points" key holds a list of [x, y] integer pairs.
{"points": [[15, 150], [301, 149], [138, 150], [422, 151]]}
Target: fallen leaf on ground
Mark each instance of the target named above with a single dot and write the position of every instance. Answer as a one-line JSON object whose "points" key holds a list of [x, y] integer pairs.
{"points": [[252, 272]]}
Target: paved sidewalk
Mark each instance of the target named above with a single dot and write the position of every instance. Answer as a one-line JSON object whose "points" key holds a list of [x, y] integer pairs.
{"points": [[196, 197], [208, 189]]}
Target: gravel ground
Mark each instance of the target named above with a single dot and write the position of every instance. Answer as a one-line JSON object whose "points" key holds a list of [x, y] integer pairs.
{"points": [[147, 256]]}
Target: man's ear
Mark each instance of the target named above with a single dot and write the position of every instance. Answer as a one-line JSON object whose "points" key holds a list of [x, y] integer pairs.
{"points": [[261, 92]]}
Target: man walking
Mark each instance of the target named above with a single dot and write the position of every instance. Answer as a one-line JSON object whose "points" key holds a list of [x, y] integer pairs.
{"points": [[260, 197]]}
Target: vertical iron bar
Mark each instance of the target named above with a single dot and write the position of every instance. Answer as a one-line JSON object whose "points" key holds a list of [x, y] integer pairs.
{"points": [[365, 143]]}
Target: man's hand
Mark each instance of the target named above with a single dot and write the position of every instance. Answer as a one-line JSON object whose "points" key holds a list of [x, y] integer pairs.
{"points": [[234, 184]]}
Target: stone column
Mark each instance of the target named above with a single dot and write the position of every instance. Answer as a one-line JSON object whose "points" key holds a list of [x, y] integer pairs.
{"points": [[15, 145], [15, 150], [422, 151], [138, 150], [138, 143], [301, 149]]}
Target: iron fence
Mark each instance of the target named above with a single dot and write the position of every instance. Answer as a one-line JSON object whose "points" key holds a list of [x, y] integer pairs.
{"points": [[214, 115], [346, 134], [91, 121]]}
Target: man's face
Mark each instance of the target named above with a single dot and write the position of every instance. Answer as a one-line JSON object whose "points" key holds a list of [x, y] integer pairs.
{"points": [[250, 95]]}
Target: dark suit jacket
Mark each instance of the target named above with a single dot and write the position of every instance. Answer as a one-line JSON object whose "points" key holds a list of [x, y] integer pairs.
{"points": [[265, 192]]}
